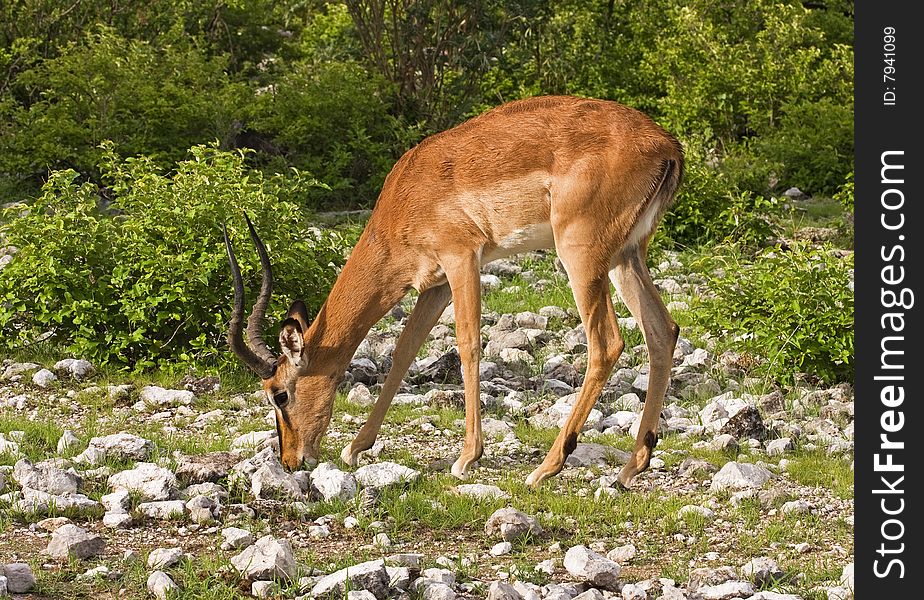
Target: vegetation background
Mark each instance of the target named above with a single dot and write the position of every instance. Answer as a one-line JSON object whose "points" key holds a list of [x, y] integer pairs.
{"points": [[130, 130]]}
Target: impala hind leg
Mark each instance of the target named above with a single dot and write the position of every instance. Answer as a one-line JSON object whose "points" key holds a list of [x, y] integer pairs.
{"points": [[463, 274], [427, 311], [633, 282], [604, 345]]}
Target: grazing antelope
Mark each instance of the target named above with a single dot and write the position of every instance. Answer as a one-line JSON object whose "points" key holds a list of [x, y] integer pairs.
{"points": [[591, 178]]}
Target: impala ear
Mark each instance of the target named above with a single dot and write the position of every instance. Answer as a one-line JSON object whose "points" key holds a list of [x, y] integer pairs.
{"points": [[299, 312], [291, 341]]}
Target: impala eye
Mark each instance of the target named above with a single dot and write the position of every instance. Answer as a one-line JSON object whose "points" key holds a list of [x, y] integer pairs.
{"points": [[280, 399]]}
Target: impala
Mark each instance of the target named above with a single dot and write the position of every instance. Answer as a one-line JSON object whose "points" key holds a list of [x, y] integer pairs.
{"points": [[590, 178]]}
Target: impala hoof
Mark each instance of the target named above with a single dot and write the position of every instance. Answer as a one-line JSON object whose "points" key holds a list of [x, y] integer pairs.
{"points": [[537, 477], [349, 457], [460, 469]]}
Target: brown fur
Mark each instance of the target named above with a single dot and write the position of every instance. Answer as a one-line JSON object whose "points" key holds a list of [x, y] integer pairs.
{"points": [[588, 168]]}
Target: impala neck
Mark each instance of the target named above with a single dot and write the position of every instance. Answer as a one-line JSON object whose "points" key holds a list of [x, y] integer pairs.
{"points": [[367, 288]]}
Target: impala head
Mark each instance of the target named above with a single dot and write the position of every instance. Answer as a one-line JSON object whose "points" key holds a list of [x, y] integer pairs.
{"points": [[302, 399]]}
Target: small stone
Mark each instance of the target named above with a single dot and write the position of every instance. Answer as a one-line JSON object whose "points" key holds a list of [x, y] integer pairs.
{"points": [[739, 476], [164, 558], [796, 507], [501, 548], [762, 571], [481, 491], [596, 455], [587, 565], [165, 509], [803, 547], [263, 589], [206, 467], [117, 520], [622, 554], [511, 524], [371, 576], [779, 446], [499, 590], [44, 378], [331, 483], [45, 477], [362, 594], [118, 446], [71, 541], [67, 442], [724, 441], [155, 396], [271, 481], [160, 585], [19, 577], [361, 396], [268, 558], [235, 538], [727, 591], [384, 474], [148, 480]]}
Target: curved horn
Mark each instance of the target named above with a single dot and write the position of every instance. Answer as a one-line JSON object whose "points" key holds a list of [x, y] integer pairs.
{"points": [[258, 312], [260, 366]]}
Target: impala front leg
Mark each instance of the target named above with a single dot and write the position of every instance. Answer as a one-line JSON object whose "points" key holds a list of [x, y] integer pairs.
{"points": [[464, 279], [427, 311]]}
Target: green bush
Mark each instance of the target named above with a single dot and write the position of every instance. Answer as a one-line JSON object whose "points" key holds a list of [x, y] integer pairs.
{"points": [[145, 282], [710, 207], [148, 100], [792, 306]]}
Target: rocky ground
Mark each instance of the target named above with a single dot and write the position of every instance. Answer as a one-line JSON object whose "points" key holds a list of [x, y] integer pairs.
{"points": [[131, 488]]}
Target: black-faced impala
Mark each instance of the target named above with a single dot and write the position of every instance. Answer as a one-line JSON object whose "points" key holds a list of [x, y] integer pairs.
{"points": [[590, 178]]}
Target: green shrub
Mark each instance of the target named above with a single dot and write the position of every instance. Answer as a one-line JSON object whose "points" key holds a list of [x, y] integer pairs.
{"points": [[332, 120], [148, 100], [845, 194], [813, 146], [792, 306], [710, 207], [145, 282]]}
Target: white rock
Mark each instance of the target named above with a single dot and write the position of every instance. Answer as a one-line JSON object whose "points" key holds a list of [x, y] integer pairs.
{"points": [[740, 476], [438, 591], [160, 585], [503, 591], [155, 396], [331, 483], [622, 554], [263, 589], [501, 548], [235, 538], [384, 474], [727, 591], [254, 440], [117, 501], [271, 481], [67, 442], [44, 378], [164, 558], [149, 481], [595, 455], [370, 576], [762, 570], [38, 501], [117, 520], [591, 594], [19, 577], [481, 491], [774, 596], [9, 447], [557, 415], [511, 524], [71, 541], [118, 446], [587, 565], [360, 395], [796, 507], [361, 595], [846, 577], [74, 367], [164, 509], [45, 477], [268, 558], [631, 591], [779, 446]]}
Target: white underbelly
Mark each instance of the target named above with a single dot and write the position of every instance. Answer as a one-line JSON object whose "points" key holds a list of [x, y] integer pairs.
{"points": [[525, 239]]}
